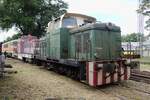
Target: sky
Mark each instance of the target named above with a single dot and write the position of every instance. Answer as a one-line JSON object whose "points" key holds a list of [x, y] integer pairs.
{"points": [[120, 12], [5, 34]]}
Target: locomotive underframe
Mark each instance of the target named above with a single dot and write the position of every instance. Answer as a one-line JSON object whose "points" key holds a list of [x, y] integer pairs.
{"points": [[94, 75]]}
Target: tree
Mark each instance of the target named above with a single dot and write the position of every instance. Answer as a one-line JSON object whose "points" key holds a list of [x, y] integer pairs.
{"points": [[30, 16], [8, 39], [134, 37], [145, 10]]}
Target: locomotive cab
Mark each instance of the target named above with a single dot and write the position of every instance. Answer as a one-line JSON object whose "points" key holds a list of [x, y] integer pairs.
{"points": [[70, 20], [58, 33]]}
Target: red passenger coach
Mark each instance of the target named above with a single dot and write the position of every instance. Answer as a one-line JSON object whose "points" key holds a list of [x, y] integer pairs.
{"points": [[26, 47], [97, 75]]}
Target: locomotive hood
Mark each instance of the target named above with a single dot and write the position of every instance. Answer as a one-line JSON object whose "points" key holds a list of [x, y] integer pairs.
{"points": [[97, 26]]}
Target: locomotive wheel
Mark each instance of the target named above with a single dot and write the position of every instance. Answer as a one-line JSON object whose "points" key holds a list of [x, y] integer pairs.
{"points": [[62, 70], [69, 73], [50, 67], [44, 64], [38, 63], [24, 59]]}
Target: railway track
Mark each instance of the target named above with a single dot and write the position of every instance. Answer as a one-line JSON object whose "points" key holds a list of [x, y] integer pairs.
{"points": [[140, 76]]}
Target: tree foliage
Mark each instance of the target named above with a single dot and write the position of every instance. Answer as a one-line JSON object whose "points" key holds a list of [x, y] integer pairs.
{"points": [[134, 37], [30, 16], [145, 10]]}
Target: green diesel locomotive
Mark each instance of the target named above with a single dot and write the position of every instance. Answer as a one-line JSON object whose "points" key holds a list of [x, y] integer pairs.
{"points": [[79, 47]]}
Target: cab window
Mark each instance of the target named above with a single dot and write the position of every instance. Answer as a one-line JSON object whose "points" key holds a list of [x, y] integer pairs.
{"points": [[69, 22]]}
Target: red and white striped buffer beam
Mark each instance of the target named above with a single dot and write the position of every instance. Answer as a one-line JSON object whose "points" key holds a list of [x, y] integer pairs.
{"points": [[96, 75]]}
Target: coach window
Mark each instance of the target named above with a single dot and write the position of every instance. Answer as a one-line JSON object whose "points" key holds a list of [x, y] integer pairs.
{"points": [[6, 46], [15, 43]]}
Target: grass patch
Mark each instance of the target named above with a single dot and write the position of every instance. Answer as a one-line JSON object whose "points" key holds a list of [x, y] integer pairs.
{"points": [[143, 59], [145, 67]]}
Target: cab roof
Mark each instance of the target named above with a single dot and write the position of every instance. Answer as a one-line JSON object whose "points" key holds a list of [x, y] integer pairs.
{"points": [[77, 15]]}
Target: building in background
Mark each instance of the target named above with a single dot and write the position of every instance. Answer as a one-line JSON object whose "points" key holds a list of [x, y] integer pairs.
{"points": [[135, 48]]}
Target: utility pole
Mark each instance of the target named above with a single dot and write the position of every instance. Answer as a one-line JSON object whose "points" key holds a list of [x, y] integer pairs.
{"points": [[140, 29]]}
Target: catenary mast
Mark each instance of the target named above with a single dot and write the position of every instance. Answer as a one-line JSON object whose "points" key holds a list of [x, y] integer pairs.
{"points": [[140, 28]]}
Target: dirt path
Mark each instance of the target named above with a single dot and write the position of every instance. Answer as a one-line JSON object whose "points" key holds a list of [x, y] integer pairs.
{"points": [[34, 83]]}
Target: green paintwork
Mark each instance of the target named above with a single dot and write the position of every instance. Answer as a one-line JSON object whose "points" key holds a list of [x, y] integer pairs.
{"points": [[42, 48], [57, 44], [103, 42], [89, 42]]}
